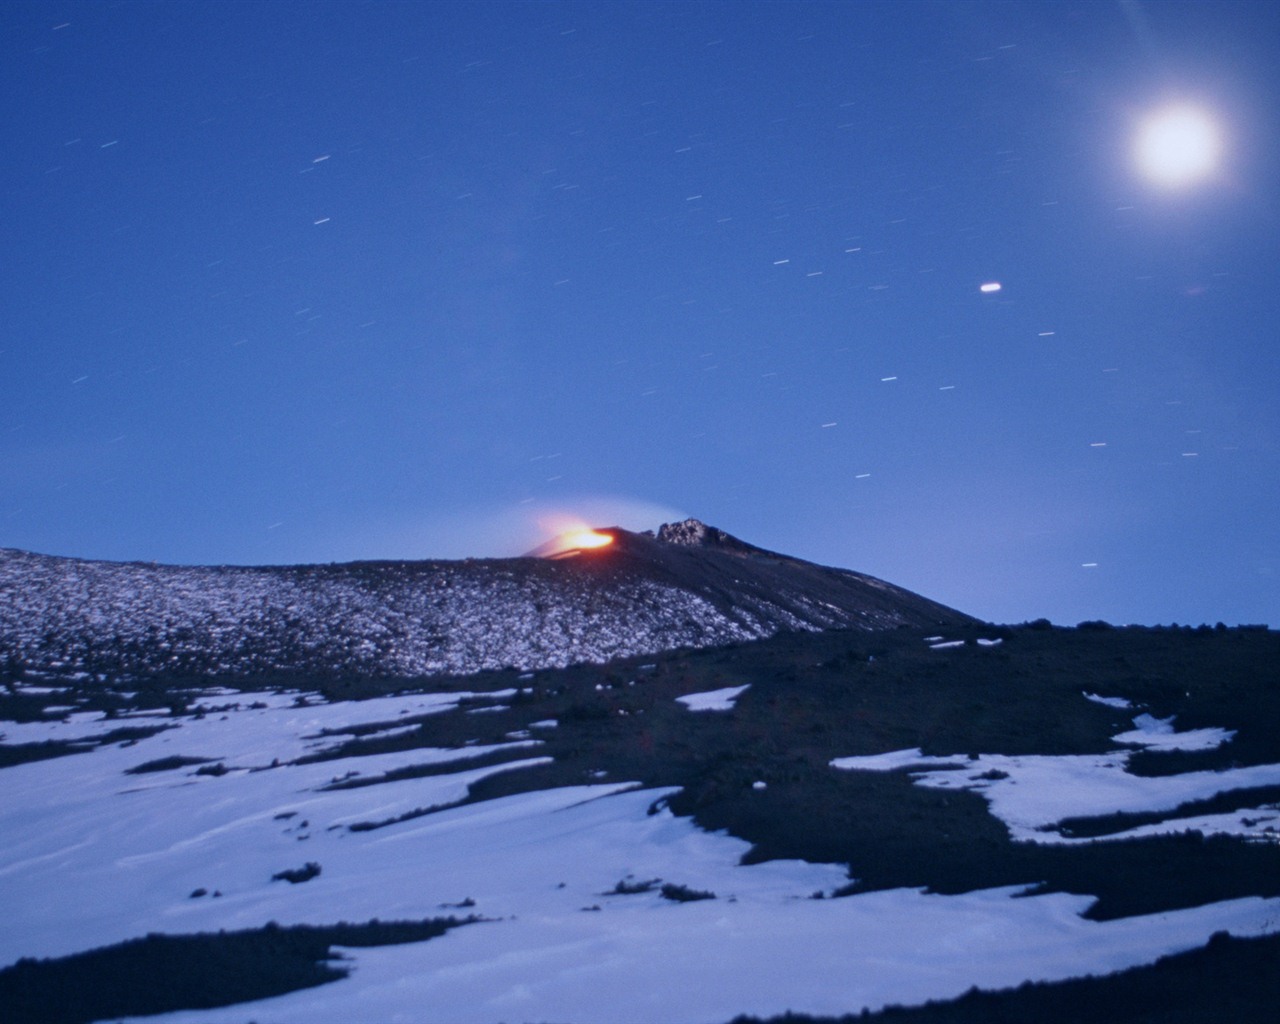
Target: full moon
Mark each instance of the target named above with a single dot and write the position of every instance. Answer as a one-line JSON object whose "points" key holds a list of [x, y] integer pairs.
{"points": [[1178, 146]]}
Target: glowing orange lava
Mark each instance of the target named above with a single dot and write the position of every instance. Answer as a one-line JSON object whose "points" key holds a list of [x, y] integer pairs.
{"points": [[570, 536], [578, 540]]}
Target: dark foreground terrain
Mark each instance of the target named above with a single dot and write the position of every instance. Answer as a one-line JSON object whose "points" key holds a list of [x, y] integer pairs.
{"points": [[1228, 980], [810, 698]]}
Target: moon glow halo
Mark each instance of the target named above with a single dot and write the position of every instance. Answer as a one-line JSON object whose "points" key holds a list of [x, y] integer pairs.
{"points": [[1178, 146]]}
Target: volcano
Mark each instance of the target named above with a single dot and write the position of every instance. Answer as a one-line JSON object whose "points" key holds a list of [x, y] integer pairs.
{"points": [[688, 585]]}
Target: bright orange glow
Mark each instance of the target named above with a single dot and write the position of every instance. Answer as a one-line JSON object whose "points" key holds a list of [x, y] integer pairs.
{"points": [[572, 537], [579, 539]]}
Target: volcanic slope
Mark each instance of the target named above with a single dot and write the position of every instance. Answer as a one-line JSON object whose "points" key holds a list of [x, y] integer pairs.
{"points": [[689, 585]]}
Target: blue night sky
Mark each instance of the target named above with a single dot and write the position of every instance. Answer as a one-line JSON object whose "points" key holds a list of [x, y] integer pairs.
{"points": [[290, 282]]}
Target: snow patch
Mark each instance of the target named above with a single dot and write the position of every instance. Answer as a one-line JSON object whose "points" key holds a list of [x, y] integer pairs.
{"points": [[1111, 702], [713, 700], [1034, 794], [1158, 734]]}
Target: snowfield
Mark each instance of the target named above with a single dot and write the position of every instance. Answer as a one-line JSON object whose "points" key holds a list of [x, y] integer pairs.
{"points": [[94, 856], [1034, 794]]}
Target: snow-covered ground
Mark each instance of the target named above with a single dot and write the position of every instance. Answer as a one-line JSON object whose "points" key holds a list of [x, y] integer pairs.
{"points": [[713, 700], [93, 856], [1032, 794], [62, 615]]}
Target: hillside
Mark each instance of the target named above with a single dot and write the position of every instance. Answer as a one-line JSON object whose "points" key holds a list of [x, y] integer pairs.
{"points": [[689, 586], [818, 822]]}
